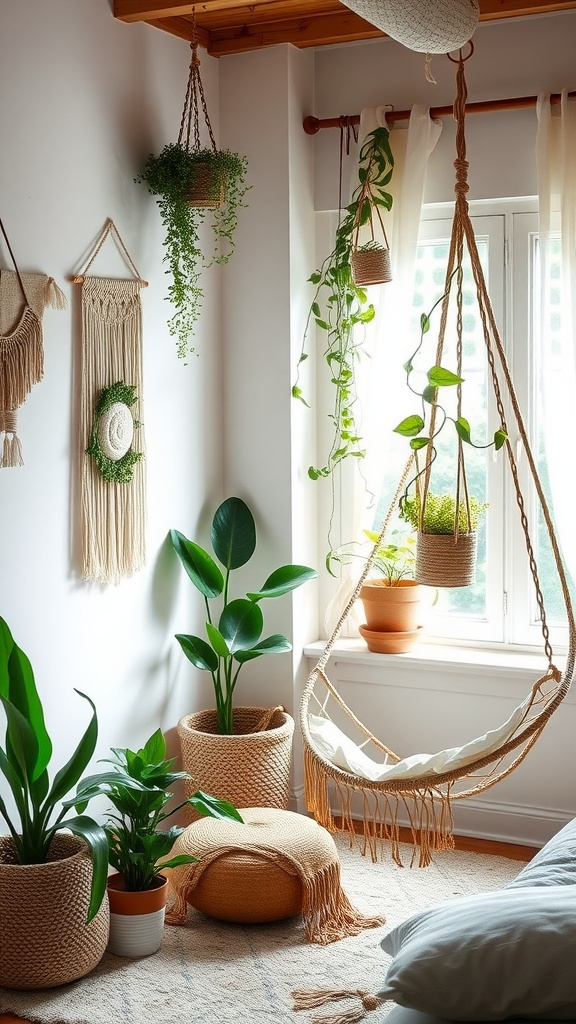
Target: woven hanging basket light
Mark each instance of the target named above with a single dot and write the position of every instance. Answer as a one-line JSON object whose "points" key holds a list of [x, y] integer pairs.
{"points": [[427, 26]]}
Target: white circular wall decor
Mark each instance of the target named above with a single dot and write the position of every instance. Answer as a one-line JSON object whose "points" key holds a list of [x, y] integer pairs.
{"points": [[427, 26], [116, 430]]}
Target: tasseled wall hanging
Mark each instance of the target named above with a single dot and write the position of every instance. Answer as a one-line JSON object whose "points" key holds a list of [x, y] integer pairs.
{"points": [[22, 301], [112, 502]]}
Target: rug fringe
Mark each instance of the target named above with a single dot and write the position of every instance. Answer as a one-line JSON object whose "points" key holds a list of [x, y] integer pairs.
{"points": [[308, 1000]]}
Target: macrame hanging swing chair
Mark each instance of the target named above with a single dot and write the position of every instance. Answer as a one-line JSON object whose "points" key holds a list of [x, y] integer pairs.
{"points": [[361, 777]]}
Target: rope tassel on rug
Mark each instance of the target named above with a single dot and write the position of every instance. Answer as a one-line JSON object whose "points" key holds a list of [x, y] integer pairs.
{"points": [[319, 997]]}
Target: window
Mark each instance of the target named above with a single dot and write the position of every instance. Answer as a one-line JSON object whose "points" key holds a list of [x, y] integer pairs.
{"points": [[500, 608]]}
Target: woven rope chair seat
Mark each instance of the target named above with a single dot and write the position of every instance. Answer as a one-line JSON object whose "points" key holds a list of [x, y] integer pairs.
{"points": [[275, 865]]}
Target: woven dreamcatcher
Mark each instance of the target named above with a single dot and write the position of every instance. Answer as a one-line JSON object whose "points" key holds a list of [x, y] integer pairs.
{"points": [[23, 298], [112, 505]]}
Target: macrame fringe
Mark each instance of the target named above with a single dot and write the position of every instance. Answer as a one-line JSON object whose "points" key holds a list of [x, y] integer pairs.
{"points": [[11, 452], [327, 913], [21, 361], [342, 808], [303, 1000], [54, 296]]}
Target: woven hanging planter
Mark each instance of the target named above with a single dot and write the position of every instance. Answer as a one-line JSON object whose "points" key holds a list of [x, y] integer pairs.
{"points": [[209, 188], [250, 768], [444, 560], [44, 937], [427, 26], [371, 266]]}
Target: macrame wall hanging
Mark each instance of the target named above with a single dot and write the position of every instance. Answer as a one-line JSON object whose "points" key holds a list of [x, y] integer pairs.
{"points": [[112, 501], [23, 298]]}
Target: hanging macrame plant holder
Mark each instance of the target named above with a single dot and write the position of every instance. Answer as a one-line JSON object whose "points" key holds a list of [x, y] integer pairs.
{"points": [[23, 298], [209, 187], [449, 559], [369, 260], [112, 510], [427, 26]]}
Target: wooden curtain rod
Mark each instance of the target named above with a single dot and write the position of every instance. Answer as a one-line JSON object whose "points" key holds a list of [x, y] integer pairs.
{"points": [[312, 124]]}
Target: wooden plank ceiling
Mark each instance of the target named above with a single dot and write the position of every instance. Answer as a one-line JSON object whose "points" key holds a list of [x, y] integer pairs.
{"points": [[231, 26]]}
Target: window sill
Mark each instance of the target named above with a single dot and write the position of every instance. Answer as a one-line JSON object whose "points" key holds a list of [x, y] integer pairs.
{"points": [[433, 655]]}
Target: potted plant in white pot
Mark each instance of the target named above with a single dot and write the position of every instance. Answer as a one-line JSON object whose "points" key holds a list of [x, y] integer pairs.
{"points": [[138, 787], [53, 905], [240, 753]]}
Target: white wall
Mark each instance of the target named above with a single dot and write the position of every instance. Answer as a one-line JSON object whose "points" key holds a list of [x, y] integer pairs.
{"points": [[85, 99]]}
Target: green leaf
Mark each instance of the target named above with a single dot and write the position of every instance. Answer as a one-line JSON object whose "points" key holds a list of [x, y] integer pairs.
{"points": [[233, 533], [199, 565], [500, 438], [315, 309], [463, 429], [297, 393], [322, 324], [198, 652], [18, 685], [276, 644], [408, 366], [439, 377], [424, 323], [410, 426], [214, 807], [69, 775], [217, 640], [283, 580], [315, 278], [241, 624], [419, 442]]}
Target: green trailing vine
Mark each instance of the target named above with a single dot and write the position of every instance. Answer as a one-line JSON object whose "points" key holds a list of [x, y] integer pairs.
{"points": [[340, 307], [170, 176], [438, 514], [113, 470]]}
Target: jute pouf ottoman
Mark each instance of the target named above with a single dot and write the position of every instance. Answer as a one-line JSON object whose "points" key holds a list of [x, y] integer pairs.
{"points": [[275, 865]]}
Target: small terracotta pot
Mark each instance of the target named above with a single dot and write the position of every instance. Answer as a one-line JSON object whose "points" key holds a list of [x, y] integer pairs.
{"points": [[392, 608], [136, 918]]}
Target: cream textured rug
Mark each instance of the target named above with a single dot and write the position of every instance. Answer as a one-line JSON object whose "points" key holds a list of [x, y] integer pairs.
{"points": [[209, 972]]}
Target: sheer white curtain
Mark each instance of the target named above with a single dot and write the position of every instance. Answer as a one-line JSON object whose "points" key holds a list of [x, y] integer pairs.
{"points": [[381, 378], [556, 161]]}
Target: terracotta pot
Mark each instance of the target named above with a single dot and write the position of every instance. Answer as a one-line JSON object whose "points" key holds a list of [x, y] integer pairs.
{"points": [[389, 642], [136, 918], [442, 560], [392, 608], [44, 937], [250, 768]]}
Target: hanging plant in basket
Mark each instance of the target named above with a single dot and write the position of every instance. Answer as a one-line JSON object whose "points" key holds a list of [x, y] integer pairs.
{"points": [[446, 523], [341, 304], [191, 182]]}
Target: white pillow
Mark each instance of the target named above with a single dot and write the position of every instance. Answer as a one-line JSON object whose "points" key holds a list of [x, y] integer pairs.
{"points": [[503, 954], [342, 752]]}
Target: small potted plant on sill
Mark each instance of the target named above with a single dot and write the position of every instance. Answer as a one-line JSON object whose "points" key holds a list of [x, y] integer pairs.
{"points": [[241, 753], [392, 599], [53, 906], [137, 786], [446, 541]]}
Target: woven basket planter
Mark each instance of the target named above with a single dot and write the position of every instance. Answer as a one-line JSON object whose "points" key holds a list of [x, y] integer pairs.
{"points": [[443, 560], [44, 937], [209, 188], [251, 768], [371, 266]]}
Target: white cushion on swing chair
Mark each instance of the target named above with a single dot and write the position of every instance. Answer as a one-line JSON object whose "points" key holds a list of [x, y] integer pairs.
{"points": [[337, 748]]}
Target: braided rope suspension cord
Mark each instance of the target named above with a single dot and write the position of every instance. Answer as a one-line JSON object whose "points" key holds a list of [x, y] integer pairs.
{"points": [[425, 801]]}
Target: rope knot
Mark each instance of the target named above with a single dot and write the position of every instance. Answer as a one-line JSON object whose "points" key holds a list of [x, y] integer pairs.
{"points": [[369, 1000], [461, 185]]}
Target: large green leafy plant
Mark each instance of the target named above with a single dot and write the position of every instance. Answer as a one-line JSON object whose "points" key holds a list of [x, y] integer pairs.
{"points": [[171, 176], [24, 761], [138, 847], [234, 626]]}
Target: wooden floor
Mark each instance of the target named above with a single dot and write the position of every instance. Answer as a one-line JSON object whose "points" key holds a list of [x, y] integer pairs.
{"points": [[520, 853]]}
